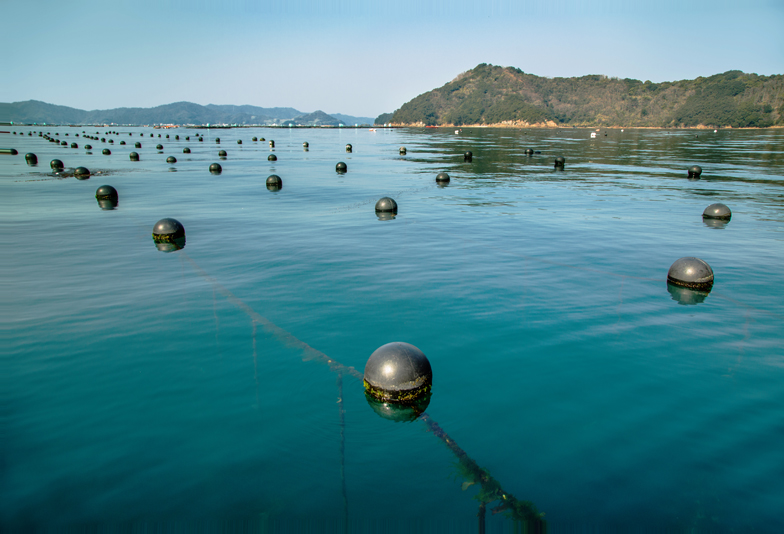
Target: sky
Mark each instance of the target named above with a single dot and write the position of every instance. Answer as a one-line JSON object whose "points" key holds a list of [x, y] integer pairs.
{"points": [[361, 57]]}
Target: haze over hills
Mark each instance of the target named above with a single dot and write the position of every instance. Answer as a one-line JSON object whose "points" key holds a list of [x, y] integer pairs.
{"points": [[508, 96], [36, 112]]}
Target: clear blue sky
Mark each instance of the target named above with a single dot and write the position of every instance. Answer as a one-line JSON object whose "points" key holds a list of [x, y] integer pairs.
{"points": [[361, 57]]}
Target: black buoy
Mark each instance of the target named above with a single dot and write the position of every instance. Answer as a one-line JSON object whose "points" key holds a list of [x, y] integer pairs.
{"points": [[217, 140], [186, 150], [134, 156], [274, 183], [386, 205], [272, 143], [106, 152], [167, 136], [168, 235], [399, 373], [64, 143], [56, 165], [262, 139], [103, 139], [222, 153], [82, 172], [239, 141], [122, 142], [529, 151], [349, 148], [305, 144], [402, 151], [341, 167], [215, 168], [560, 161], [692, 273], [31, 158], [74, 145], [694, 172], [158, 147], [717, 211], [88, 147], [106, 192], [201, 139], [171, 159], [468, 156], [188, 138], [442, 178], [254, 138], [177, 137], [111, 141], [272, 157]]}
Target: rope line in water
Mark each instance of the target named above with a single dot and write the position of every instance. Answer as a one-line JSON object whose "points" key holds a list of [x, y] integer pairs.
{"points": [[491, 490]]}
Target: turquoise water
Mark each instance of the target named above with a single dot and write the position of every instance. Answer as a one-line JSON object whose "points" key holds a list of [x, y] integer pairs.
{"points": [[145, 388]]}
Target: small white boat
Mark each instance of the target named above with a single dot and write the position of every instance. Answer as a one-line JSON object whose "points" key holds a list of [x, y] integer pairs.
{"points": [[593, 135]]}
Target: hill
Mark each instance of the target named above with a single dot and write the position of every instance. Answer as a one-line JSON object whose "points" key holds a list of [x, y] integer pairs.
{"points": [[35, 112], [495, 95]]}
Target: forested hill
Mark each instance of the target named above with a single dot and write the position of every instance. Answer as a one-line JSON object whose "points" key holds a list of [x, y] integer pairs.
{"points": [[489, 94]]}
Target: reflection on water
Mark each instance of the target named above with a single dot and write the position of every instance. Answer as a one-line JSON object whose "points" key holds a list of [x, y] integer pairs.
{"points": [[398, 412], [686, 296], [108, 203], [171, 245]]}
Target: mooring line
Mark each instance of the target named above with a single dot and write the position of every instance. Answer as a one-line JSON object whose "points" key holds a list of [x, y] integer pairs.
{"points": [[342, 424], [524, 511]]}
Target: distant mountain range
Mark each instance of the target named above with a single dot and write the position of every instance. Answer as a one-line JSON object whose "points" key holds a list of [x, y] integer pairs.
{"points": [[507, 96], [36, 112]]}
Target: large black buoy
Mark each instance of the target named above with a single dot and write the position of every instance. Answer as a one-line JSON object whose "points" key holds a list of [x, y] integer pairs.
{"points": [[274, 183], [341, 167], [134, 156], [74, 145], [272, 157], [717, 211], [31, 158], [171, 159], [168, 235], [692, 273], [106, 192], [349, 148], [442, 178], [694, 172], [468, 156], [106, 152], [560, 161], [215, 168], [222, 153], [64, 143], [56, 165], [158, 147], [386, 205], [82, 173], [402, 151], [529, 151], [186, 150], [398, 372]]}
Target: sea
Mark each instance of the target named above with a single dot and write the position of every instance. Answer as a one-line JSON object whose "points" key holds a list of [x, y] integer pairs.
{"points": [[216, 384]]}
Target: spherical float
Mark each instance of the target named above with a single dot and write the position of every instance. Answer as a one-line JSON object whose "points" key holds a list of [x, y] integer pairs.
{"points": [[341, 167], [217, 140], [171, 159], [692, 273], [122, 142], [560, 161], [386, 205], [88, 147], [442, 178], [106, 152], [254, 138], [468, 156], [694, 171], [274, 182], [398, 372], [272, 157], [222, 153], [168, 235], [215, 168], [158, 147], [239, 141], [305, 144], [717, 211], [106, 192], [111, 141], [272, 143], [349, 148], [56, 165], [177, 137], [529, 151], [82, 172], [74, 145], [186, 150], [63, 143], [31, 158], [402, 151], [134, 156]]}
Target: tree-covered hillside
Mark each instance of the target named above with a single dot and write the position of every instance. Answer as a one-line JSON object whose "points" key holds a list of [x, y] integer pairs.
{"points": [[506, 95]]}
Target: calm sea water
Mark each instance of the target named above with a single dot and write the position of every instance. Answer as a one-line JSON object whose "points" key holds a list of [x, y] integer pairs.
{"points": [[148, 389]]}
